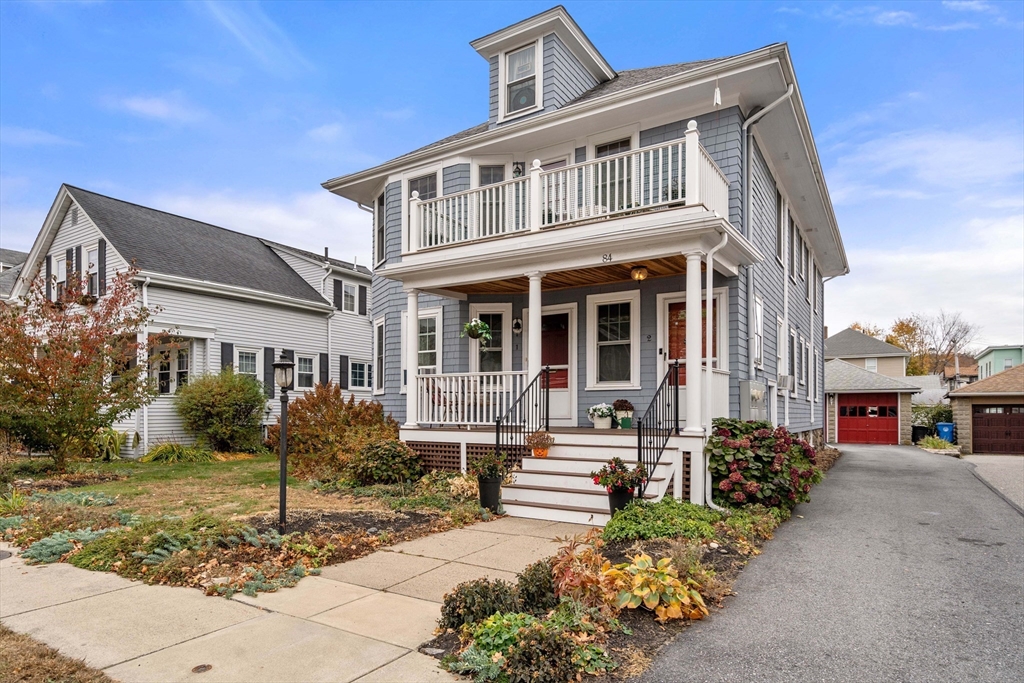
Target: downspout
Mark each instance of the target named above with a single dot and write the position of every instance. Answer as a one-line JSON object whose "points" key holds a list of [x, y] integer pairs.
{"points": [[145, 407], [708, 339], [745, 141]]}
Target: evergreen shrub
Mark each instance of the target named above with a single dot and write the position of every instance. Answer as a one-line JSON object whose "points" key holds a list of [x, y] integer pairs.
{"points": [[224, 411]]}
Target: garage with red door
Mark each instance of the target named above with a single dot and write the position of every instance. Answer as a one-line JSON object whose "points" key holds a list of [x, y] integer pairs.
{"points": [[869, 418]]}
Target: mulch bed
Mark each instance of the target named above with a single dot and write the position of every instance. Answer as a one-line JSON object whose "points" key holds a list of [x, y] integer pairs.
{"points": [[827, 457], [396, 525]]}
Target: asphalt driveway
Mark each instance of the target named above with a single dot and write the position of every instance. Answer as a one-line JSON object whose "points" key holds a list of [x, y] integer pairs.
{"points": [[904, 567]]}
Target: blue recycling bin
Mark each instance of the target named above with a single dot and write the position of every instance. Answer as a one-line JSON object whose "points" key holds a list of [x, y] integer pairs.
{"points": [[945, 431]]}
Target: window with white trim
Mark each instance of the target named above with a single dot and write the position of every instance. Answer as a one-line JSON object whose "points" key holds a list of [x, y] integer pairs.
{"points": [[247, 362], [758, 332], [611, 148], [1007, 363], [359, 374], [792, 249], [793, 360], [348, 300], [93, 271], [817, 376], [378, 356], [61, 275], [780, 228], [521, 79], [807, 368], [170, 368], [803, 256], [428, 343], [305, 372], [490, 175], [871, 364], [613, 340], [780, 345], [814, 290], [810, 278], [379, 216], [492, 351], [426, 186], [802, 361], [183, 364]]}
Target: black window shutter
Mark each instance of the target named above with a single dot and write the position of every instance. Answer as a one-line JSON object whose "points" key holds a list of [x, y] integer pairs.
{"points": [[343, 375], [325, 368], [339, 294], [227, 355], [49, 274], [290, 355], [268, 371], [362, 299], [69, 263], [101, 265], [78, 263]]}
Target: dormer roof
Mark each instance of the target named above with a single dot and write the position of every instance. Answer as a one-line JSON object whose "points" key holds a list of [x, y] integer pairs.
{"points": [[555, 20]]}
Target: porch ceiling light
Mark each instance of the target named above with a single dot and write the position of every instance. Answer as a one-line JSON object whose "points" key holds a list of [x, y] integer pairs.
{"points": [[638, 273]]}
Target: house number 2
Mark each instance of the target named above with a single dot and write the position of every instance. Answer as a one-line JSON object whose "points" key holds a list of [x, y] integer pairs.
{"points": [[606, 258]]}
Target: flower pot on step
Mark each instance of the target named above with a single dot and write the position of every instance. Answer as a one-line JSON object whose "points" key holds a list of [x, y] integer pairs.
{"points": [[618, 499], [540, 452], [490, 492], [602, 422]]}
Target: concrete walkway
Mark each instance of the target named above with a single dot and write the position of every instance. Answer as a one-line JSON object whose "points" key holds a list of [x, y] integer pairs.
{"points": [[1005, 472], [904, 567], [359, 621]]}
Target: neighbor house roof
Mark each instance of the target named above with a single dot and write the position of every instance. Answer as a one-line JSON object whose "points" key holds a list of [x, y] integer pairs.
{"points": [[853, 344], [7, 280], [949, 372], [986, 350], [932, 388], [1010, 382], [319, 258], [10, 257], [168, 244], [845, 378]]}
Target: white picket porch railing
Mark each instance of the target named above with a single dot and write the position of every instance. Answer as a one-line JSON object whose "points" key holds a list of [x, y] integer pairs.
{"points": [[714, 187], [467, 398], [484, 212]]}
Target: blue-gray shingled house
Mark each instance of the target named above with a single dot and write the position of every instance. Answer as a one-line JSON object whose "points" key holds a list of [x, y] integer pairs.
{"points": [[657, 235]]}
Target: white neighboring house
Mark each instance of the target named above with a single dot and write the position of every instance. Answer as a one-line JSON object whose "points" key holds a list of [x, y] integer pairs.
{"points": [[226, 298], [11, 262]]}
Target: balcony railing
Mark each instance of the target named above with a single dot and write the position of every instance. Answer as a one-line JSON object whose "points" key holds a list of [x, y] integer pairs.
{"points": [[467, 398], [678, 173]]}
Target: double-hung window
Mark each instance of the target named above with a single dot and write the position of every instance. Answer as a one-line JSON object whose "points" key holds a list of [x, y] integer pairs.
{"points": [[428, 345], [248, 363], [489, 175], [758, 332], [380, 254], [792, 249], [304, 372], [492, 350], [426, 186], [794, 371], [348, 303], [780, 228], [378, 356], [521, 79], [613, 331], [780, 345], [181, 377], [93, 270], [61, 276], [871, 364], [359, 375], [427, 356]]}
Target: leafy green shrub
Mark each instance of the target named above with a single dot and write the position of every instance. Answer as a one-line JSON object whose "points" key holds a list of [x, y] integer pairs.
{"points": [[668, 518], [27, 430], [84, 498], [535, 587], [326, 430], [499, 632], [754, 462], [931, 415], [223, 411], [541, 655], [935, 443], [385, 462], [171, 453], [56, 546], [474, 601]]}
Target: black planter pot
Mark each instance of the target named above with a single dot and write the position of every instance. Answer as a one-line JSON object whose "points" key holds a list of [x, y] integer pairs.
{"points": [[617, 499], [490, 492]]}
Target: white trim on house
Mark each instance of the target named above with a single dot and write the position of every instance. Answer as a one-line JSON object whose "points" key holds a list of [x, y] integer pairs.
{"points": [[720, 300], [632, 297], [314, 376], [505, 311], [505, 160], [367, 374], [571, 410], [215, 288], [379, 358], [424, 313], [758, 332], [258, 362], [538, 80]]}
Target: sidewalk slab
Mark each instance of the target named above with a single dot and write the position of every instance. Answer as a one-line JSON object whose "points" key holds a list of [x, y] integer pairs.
{"points": [[396, 619], [563, 529], [380, 570], [24, 587], [450, 545], [513, 554], [433, 585], [413, 667], [113, 627], [274, 647], [310, 596], [516, 526]]}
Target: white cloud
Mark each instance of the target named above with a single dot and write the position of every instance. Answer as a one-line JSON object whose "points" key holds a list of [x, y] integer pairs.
{"points": [[981, 274], [872, 14], [260, 36], [172, 108], [16, 136], [895, 18], [399, 114], [968, 6], [310, 221], [330, 132]]}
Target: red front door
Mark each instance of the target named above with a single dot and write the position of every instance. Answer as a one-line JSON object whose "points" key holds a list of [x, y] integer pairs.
{"points": [[676, 329], [869, 418]]}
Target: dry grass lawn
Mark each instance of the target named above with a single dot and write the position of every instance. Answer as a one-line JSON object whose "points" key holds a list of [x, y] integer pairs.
{"points": [[23, 660]]}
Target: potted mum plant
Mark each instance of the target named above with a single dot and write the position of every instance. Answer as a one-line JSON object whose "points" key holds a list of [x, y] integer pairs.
{"points": [[601, 415], [477, 329], [489, 470], [623, 413], [620, 482], [539, 441]]}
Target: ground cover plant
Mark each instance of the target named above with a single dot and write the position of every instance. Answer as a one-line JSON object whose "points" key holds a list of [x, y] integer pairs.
{"points": [[935, 443]]}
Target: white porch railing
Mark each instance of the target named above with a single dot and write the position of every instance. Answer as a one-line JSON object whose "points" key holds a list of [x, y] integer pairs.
{"points": [[484, 212], [714, 187], [467, 398], [719, 393]]}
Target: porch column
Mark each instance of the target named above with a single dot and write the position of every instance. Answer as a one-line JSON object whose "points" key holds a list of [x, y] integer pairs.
{"points": [[412, 357], [693, 373], [534, 341]]}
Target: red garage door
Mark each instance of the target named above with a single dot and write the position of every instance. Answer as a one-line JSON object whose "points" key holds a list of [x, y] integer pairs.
{"points": [[869, 418], [999, 429]]}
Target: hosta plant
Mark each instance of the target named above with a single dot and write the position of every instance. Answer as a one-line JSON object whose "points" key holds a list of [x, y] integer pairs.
{"points": [[656, 587]]}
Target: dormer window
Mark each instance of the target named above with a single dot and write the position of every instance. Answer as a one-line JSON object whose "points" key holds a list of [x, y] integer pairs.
{"points": [[521, 80]]}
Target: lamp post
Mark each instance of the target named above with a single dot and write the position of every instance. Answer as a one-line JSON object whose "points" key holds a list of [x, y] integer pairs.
{"points": [[284, 370]]}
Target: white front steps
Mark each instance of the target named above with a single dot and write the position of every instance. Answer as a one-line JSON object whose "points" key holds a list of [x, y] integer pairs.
{"points": [[560, 488]]}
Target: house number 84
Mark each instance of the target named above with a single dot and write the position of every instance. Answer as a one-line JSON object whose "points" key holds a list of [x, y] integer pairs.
{"points": [[606, 258]]}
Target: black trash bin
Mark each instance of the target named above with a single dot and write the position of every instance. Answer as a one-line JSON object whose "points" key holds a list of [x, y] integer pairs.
{"points": [[918, 432]]}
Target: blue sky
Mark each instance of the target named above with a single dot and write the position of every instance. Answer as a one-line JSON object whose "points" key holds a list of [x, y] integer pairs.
{"points": [[234, 113]]}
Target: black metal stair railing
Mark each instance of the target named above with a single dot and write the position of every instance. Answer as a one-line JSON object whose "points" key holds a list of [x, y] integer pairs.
{"points": [[659, 422], [528, 413]]}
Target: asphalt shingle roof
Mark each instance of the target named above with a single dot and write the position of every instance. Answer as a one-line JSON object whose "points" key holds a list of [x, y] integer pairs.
{"points": [[842, 378], [164, 243], [12, 257], [7, 280], [320, 258], [1006, 382], [853, 344]]}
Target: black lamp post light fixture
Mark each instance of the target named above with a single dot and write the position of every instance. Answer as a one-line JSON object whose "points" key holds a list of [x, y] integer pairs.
{"points": [[284, 372]]}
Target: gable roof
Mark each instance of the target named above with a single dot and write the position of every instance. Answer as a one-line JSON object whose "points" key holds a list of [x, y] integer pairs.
{"points": [[932, 388], [7, 280], [949, 371], [845, 378], [168, 244], [10, 257], [853, 344], [318, 258], [985, 351], [1006, 382]]}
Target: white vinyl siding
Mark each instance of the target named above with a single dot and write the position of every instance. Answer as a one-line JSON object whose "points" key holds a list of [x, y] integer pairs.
{"points": [[83, 234]]}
